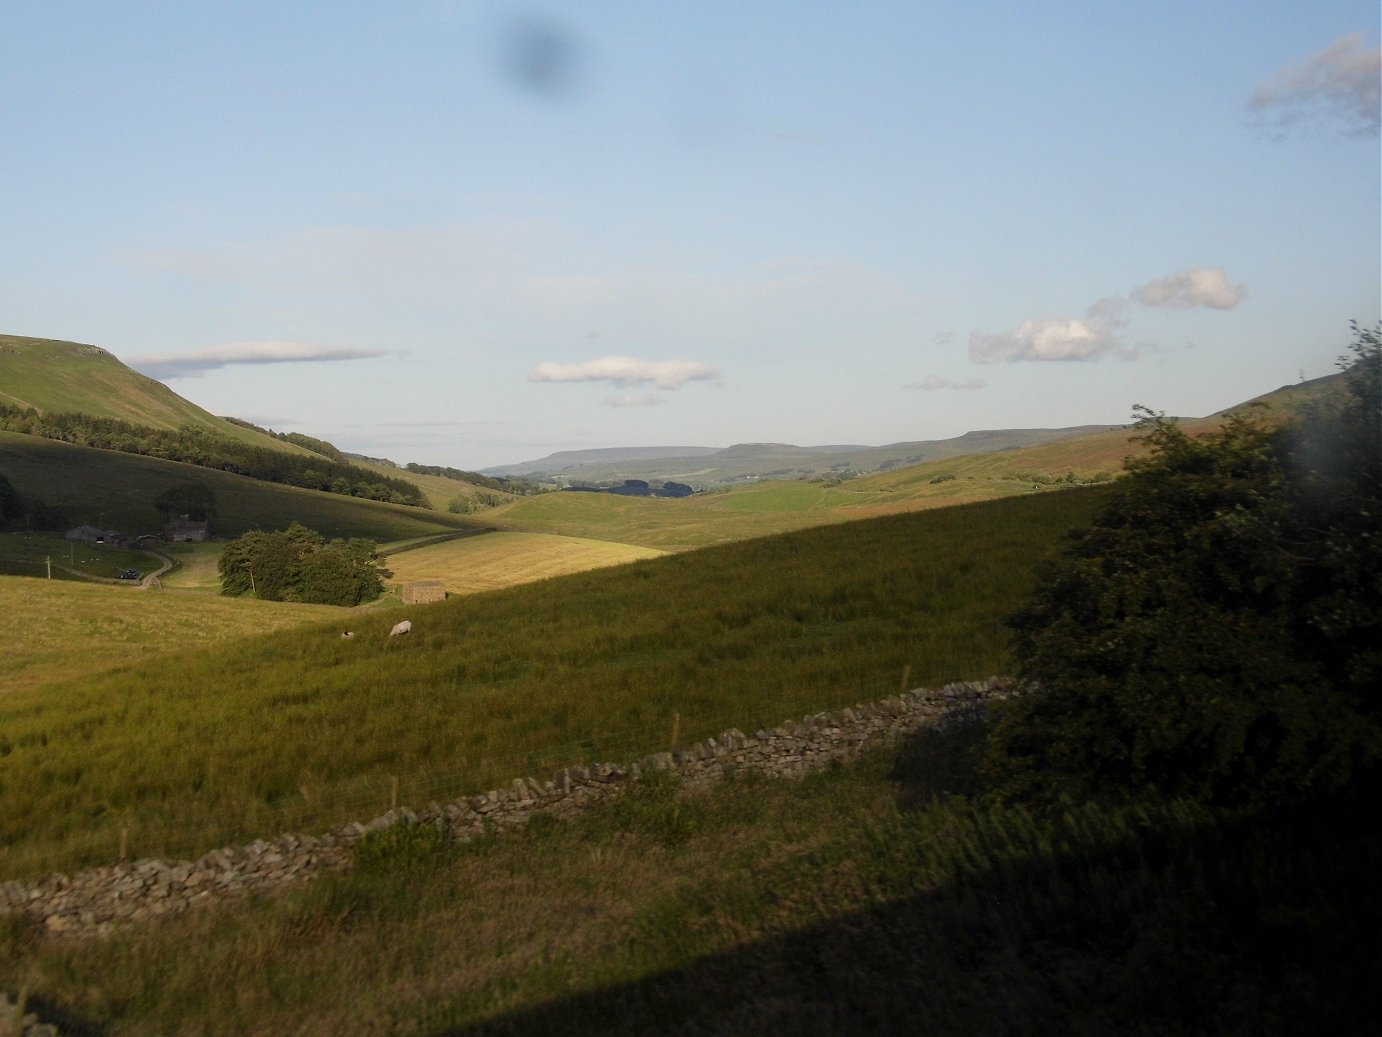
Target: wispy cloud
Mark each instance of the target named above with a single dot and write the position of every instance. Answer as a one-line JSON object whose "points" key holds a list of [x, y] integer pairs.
{"points": [[935, 383], [1341, 81], [621, 402], [627, 372], [195, 363], [1204, 286]]}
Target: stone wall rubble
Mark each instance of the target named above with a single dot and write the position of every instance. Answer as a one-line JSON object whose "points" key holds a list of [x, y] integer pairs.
{"points": [[96, 901]]}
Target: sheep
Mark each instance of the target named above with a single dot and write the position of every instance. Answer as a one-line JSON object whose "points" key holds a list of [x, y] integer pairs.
{"points": [[406, 627]]}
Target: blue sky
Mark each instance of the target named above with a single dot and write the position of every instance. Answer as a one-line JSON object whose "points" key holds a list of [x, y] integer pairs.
{"points": [[470, 233]]}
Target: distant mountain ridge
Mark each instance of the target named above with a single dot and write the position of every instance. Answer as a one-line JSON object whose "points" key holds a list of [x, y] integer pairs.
{"points": [[750, 461]]}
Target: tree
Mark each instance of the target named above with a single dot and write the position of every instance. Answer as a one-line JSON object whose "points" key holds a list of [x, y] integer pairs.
{"points": [[192, 499], [298, 564], [11, 504], [1214, 633], [340, 573]]}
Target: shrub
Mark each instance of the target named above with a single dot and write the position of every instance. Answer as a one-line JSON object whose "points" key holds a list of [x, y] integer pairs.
{"points": [[1214, 633]]}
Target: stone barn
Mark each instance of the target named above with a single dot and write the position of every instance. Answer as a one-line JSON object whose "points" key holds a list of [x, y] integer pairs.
{"points": [[184, 530], [421, 592]]}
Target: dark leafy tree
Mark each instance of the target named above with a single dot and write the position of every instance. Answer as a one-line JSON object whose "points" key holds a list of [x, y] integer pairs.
{"points": [[1215, 633], [340, 573], [48, 518], [194, 499], [11, 504], [298, 564]]}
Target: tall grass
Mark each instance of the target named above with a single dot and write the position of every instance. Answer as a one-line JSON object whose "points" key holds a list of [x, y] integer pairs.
{"points": [[836, 905], [191, 750]]}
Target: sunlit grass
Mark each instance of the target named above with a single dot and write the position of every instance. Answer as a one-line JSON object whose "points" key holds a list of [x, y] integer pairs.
{"points": [[306, 728]]}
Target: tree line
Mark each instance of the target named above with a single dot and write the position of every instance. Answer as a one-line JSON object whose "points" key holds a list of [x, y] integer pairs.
{"points": [[522, 487], [206, 448]]}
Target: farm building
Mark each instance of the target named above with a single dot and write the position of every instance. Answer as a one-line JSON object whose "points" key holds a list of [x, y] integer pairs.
{"points": [[92, 535], [183, 530], [421, 592]]}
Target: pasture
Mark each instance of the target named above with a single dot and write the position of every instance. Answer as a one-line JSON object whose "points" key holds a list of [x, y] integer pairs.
{"points": [[61, 631], [302, 729], [497, 560], [29, 554]]}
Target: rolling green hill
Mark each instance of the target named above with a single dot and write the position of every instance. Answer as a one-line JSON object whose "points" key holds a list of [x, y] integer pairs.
{"points": [[116, 491], [53, 376]]}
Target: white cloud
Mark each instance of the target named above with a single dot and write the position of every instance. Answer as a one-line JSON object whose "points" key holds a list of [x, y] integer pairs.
{"points": [[626, 372], [1342, 79], [1057, 338], [194, 363], [934, 383], [1205, 286]]}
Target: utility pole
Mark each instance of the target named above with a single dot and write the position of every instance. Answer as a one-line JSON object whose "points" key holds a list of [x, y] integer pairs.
{"points": [[49, 560]]}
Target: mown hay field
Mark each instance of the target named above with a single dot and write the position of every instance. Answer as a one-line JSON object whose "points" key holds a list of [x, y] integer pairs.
{"points": [[497, 560]]}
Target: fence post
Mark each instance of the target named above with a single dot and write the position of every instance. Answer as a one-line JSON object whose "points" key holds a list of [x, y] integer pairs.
{"points": [[906, 676], [124, 842], [393, 792]]}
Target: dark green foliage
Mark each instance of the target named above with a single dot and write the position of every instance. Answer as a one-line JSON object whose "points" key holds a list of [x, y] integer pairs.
{"points": [[460, 475], [195, 500], [317, 446], [1215, 633], [298, 564], [11, 506], [195, 445], [48, 518]]}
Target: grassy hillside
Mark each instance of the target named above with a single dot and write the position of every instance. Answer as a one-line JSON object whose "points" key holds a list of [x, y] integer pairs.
{"points": [[195, 749], [439, 490], [498, 560], [116, 490], [775, 506], [50, 375], [57, 630]]}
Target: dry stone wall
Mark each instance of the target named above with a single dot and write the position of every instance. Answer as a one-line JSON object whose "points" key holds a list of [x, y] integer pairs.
{"points": [[96, 901]]}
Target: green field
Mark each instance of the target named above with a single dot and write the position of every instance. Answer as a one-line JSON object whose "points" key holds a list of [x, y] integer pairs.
{"points": [[192, 750], [59, 630], [45, 554], [772, 507], [498, 560]]}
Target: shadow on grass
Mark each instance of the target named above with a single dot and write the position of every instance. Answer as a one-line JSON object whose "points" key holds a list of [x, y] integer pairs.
{"points": [[1234, 926]]}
